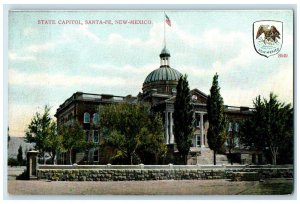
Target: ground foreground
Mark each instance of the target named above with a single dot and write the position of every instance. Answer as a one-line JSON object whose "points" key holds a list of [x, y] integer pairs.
{"points": [[166, 187]]}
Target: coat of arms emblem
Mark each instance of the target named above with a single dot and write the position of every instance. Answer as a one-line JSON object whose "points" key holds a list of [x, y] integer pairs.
{"points": [[267, 37]]}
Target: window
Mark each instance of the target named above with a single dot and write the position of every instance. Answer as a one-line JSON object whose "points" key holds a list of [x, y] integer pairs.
{"points": [[70, 116], [197, 120], [95, 118], [174, 90], [87, 135], [86, 117], [96, 136], [236, 127], [198, 141], [96, 156], [229, 127], [236, 141]]}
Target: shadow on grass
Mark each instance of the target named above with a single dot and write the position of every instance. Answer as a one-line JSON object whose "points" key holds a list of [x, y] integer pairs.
{"points": [[271, 187]]}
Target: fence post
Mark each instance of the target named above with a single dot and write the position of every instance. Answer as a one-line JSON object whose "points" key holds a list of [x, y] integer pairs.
{"points": [[108, 166], [141, 166]]}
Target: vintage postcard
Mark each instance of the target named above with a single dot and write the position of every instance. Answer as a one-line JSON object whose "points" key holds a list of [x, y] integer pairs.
{"points": [[150, 102]]}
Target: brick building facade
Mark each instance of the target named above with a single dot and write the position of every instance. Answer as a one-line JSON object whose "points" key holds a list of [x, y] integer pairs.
{"points": [[159, 90]]}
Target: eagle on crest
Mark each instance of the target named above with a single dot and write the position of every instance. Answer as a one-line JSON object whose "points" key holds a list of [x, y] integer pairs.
{"points": [[271, 34]]}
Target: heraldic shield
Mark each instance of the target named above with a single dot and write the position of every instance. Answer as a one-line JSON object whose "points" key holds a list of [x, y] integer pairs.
{"points": [[267, 37]]}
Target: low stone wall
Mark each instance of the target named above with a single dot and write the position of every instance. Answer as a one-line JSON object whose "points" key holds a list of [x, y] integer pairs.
{"points": [[128, 175], [264, 173], [140, 173]]}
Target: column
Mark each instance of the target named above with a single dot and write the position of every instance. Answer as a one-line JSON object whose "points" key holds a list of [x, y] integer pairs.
{"points": [[166, 127], [201, 127], [171, 128], [194, 142]]}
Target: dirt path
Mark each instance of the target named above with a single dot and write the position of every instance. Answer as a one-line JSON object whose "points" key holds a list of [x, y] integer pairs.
{"points": [[168, 187]]}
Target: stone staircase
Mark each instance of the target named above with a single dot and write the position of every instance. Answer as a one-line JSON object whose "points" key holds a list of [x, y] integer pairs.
{"points": [[207, 156]]}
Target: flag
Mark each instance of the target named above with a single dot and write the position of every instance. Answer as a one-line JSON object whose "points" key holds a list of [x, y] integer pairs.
{"points": [[168, 21]]}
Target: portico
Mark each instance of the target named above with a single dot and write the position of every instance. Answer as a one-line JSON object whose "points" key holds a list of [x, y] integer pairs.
{"points": [[200, 135]]}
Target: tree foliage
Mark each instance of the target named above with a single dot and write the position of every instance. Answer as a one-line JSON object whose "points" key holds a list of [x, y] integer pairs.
{"points": [[152, 147], [270, 128], [42, 132], [216, 134], [73, 138], [53, 142], [183, 118], [127, 127]]}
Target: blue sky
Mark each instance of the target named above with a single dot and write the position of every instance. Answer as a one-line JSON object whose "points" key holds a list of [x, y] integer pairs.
{"points": [[48, 63]]}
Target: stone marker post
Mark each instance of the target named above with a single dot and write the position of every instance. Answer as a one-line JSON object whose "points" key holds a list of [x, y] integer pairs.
{"points": [[32, 164]]}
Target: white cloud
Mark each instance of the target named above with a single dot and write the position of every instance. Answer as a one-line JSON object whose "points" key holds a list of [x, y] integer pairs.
{"points": [[15, 57], [239, 97], [40, 47], [74, 33], [84, 30], [152, 42], [215, 38], [118, 39], [240, 61], [126, 69], [59, 79], [187, 38], [30, 31], [280, 83]]}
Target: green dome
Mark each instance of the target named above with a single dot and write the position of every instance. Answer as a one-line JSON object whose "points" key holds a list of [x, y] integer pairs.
{"points": [[164, 73]]}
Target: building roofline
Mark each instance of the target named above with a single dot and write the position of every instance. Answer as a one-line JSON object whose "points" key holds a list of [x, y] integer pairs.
{"points": [[79, 96], [197, 90]]}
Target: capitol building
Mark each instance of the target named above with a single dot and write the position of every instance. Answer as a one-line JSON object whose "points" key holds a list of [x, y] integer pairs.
{"points": [[158, 90]]}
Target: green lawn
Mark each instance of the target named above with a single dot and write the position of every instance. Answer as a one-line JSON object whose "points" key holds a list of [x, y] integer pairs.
{"points": [[271, 187]]}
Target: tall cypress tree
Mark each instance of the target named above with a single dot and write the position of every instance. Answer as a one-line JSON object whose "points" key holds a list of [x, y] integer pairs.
{"points": [[20, 156], [215, 110], [183, 118]]}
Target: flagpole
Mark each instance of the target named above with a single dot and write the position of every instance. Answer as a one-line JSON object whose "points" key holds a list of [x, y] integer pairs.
{"points": [[164, 29]]}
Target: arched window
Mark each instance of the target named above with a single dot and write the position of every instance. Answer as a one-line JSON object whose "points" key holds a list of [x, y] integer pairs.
{"points": [[86, 117], [95, 118]]}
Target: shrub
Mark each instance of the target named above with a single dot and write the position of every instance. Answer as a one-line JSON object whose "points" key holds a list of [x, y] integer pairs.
{"points": [[15, 162], [12, 162]]}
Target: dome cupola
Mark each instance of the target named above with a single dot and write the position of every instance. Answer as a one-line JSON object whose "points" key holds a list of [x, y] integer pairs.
{"points": [[164, 79]]}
